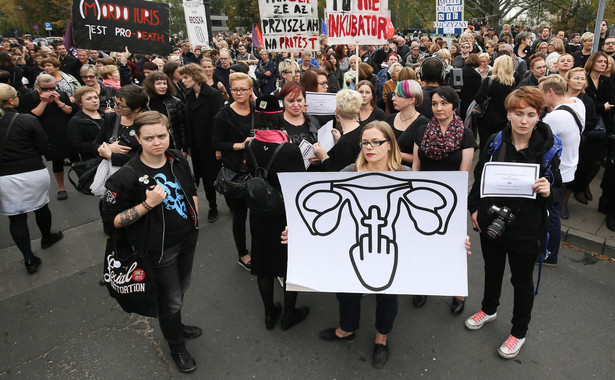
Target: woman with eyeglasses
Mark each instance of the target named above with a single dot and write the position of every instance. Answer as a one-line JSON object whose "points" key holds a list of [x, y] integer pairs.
{"points": [[202, 104], [116, 139], [233, 128], [379, 152], [24, 179], [444, 144], [89, 75], [53, 109], [407, 120], [289, 72]]}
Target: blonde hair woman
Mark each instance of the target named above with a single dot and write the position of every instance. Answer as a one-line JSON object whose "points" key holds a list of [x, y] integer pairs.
{"points": [[24, 179], [502, 83], [346, 150]]}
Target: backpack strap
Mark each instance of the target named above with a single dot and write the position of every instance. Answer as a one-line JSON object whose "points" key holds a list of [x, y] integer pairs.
{"points": [[275, 153], [547, 158], [574, 115], [5, 138], [495, 145]]}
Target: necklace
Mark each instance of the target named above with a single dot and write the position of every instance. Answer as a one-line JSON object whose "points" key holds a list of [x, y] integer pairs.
{"points": [[410, 118]]}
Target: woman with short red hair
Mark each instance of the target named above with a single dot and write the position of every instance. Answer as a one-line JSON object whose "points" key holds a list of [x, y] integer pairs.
{"points": [[524, 139]]}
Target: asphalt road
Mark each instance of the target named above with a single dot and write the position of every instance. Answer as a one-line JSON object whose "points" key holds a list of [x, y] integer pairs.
{"points": [[60, 324]]}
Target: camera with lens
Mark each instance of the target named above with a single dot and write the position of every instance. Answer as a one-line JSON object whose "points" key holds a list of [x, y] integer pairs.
{"points": [[503, 216]]}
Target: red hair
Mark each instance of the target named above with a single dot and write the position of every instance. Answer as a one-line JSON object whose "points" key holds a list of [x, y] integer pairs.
{"points": [[291, 88]]}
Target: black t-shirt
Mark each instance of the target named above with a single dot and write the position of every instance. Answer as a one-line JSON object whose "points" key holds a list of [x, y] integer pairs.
{"points": [[405, 139], [450, 162], [297, 133], [176, 220]]}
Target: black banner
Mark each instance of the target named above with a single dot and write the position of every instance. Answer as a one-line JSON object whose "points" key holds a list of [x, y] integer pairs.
{"points": [[143, 26]]}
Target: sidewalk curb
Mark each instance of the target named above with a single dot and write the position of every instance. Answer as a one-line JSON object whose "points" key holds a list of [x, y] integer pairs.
{"points": [[588, 241]]}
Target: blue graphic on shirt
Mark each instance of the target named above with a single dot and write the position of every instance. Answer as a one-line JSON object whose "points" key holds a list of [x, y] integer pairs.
{"points": [[175, 200]]}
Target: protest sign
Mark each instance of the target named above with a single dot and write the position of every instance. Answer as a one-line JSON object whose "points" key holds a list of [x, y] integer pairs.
{"points": [[385, 232], [196, 22], [357, 21], [289, 25], [142, 26]]}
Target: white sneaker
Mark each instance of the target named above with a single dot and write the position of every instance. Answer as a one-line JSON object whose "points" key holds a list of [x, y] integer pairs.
{"points": [[477, 321], [511, 347]]}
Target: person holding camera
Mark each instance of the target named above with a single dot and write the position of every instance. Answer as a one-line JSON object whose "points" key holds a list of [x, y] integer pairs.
{"points": [[514, 226]]}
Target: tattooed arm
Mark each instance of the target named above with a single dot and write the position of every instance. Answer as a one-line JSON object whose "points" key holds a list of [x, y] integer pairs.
{"points": [[153, 198]]}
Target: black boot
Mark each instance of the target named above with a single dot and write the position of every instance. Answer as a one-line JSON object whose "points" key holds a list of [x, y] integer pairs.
{"points": [[173, 332]]}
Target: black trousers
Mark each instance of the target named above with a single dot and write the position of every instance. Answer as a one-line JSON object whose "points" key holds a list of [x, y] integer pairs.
{"points": [[239, 209], [350, 311], [521, 259]]}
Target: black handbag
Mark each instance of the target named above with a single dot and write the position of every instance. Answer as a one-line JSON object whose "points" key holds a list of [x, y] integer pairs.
{"points": [[598, 133], [130, 278], [231, 183], [85, 172], [262, 198], [86, 169], [480, 109]]}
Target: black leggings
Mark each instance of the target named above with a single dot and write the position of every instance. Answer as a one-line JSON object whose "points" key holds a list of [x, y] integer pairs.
{"points": [[265, 287], [57, 165], [18, 226]]}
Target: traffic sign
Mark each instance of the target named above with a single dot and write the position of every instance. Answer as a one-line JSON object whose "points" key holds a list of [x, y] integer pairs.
{"points": [[48, 26]]}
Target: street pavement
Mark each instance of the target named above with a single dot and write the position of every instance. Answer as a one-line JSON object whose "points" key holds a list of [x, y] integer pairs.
{"points": [[60, 324]]}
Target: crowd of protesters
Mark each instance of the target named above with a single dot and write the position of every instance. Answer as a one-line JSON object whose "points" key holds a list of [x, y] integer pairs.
{"points": [[91, 104]]}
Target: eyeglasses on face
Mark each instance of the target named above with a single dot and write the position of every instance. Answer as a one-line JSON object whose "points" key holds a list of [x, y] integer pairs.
{"points": [[120, 106], [373, 144], [88, 76], [324, 84], [47, 88], [239, 91]]}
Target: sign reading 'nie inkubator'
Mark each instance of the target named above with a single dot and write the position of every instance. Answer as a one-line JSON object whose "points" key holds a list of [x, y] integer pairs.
{"points": [[142, 26]]}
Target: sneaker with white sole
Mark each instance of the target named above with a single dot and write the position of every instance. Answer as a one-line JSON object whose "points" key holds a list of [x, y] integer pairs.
{"points": [[477, 321], [511, 347]]}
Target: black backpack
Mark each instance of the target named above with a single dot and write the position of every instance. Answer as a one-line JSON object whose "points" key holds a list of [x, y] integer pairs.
{"points": [[262, 198]]}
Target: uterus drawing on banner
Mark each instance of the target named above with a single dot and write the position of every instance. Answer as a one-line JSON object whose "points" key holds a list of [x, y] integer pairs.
{"points": [[372, 220]]}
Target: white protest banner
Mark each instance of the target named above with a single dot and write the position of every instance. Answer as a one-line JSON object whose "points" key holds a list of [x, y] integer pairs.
{"points": [[289, 25], [362, 22], [196, 22], [385, 232]]}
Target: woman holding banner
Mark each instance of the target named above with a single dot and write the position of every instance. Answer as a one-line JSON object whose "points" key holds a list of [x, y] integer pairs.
{"points": [[379, 152]]}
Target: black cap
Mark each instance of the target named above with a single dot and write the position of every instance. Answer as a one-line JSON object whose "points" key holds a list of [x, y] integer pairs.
{"points": [[269, 104]]}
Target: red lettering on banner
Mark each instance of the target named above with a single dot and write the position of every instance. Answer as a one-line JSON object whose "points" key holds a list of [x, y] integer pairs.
{"points": [[298, 42], [368, 5], [345, 25], [150, 36], [92, 6], [146, 16]]}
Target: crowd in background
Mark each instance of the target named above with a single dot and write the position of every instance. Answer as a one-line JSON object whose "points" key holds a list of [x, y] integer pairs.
{"points": [[425, 88]]}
